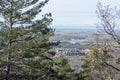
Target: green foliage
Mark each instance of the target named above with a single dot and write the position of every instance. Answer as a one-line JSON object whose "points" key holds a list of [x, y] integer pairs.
{"points": [[24, 42], [63, 69], [95, 66]]}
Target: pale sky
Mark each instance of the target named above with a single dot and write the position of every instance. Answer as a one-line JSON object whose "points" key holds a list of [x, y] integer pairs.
{"points": [[75, 12]]}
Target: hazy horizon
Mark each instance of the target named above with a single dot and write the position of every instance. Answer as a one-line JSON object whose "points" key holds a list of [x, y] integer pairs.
{"points": [[74, 26]]}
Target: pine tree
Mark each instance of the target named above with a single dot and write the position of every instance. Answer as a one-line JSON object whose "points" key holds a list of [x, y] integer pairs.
{"points": [[24, 46], [64, 72]]}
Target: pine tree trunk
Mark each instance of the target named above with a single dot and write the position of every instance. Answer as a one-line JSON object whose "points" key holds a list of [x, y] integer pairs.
{"points": [[30, 78], [8, 70], [8, 66], [10, 43]]}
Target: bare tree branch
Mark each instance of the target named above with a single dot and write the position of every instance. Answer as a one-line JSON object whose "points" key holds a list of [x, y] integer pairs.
{"points": [[108, 18]]}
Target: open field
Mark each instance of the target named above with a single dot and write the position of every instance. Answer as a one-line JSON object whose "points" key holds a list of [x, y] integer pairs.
{"points": [[82, 40]]}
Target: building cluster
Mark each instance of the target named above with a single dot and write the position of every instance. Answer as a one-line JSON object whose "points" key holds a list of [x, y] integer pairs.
{"points": [[69, 52]]}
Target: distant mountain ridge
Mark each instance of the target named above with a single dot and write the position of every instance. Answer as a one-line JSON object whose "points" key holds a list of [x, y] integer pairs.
{"points": [[87, 26]]}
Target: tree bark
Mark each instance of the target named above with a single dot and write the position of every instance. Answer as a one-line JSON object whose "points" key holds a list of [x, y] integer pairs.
{"points": [[10, 43]]}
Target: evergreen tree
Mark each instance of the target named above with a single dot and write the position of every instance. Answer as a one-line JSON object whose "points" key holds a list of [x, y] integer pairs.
{"points": [[64, 72], [24, 46]]}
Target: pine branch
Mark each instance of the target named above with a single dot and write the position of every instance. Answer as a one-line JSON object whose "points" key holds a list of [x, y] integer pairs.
{"points": [[112, 66]]}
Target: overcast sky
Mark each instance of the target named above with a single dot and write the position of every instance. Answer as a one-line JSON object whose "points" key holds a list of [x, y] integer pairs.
{"points": [[75, 12]]}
